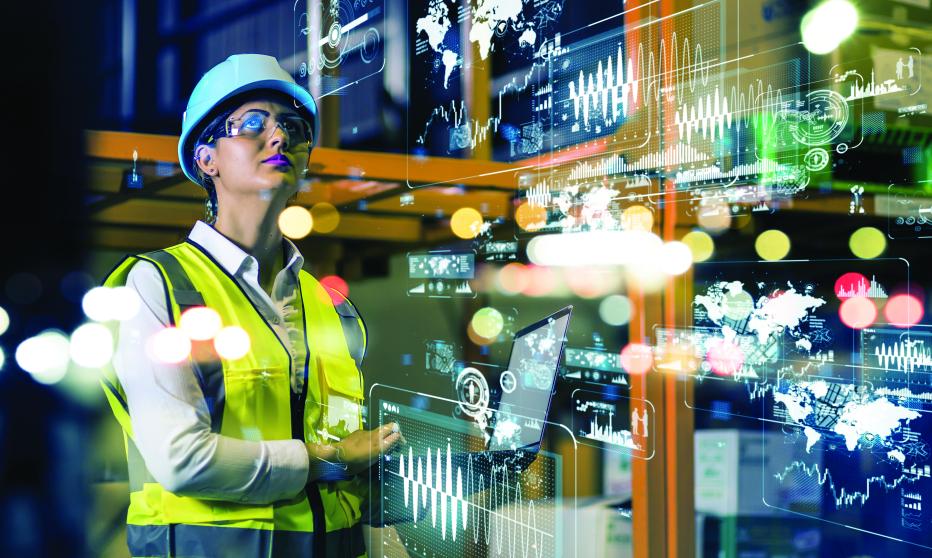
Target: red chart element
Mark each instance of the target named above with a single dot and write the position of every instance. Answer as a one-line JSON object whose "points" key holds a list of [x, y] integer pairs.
{"points": [[849, 284]]}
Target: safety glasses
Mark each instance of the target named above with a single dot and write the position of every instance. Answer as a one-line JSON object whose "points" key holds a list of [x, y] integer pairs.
{"points": [[256, 122]]}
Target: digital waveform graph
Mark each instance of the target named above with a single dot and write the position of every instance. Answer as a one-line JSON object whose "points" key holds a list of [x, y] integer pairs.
{"points": [[446, 496], [706, 118], [607, 94], [906, 355], [625, 79], [436, 482]]}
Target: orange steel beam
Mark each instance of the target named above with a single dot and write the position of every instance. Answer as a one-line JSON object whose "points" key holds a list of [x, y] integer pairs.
{"points": [[325, 161]]}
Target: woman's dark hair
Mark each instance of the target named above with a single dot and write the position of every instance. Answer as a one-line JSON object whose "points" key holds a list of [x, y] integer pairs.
{"points": [[208, 136]]}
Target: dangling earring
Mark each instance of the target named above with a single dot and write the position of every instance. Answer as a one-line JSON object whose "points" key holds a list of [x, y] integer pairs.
{"points": [[210, 214], [210, 206]]}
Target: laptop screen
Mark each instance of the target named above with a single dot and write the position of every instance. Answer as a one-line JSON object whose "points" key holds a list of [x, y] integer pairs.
{"points": [[526, 387]]}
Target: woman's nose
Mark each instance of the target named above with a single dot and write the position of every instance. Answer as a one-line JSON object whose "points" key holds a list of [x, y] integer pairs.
{"points": [[278, 136]]}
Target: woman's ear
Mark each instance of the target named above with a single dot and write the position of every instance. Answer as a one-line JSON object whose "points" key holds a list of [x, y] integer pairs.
{"points": [[204, 155]]}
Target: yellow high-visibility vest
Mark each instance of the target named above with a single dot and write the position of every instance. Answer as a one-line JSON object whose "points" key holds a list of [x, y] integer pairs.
{"points": [[250, 398]]}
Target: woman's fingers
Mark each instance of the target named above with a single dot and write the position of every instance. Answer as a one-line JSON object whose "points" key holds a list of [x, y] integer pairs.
{"points": [[389, 441]]}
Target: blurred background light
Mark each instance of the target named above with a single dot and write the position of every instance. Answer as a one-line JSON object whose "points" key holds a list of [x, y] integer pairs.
{"points": [[45, 356], [487, 322], [675, 258], [200, 323], [867, 243], [637, 358], [4, 320], [530, 217], [169, 346], [91, 345], [325, 217], [857, 312], [701, 245], [825, 26], [903, 310], [615, 310], [295, 222], [772, 245], [466, 223], [232, 342]]}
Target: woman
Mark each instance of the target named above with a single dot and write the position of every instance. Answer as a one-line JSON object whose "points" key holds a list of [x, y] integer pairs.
{"points": [[255, 455]]}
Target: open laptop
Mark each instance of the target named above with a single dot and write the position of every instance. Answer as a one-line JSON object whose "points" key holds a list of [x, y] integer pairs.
{"points": [[525, 389]]}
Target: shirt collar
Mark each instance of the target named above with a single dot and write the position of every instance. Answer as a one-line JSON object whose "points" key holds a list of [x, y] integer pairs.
{"points": [[231, 257]]}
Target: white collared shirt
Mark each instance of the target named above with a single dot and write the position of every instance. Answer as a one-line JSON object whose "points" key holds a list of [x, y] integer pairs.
{"points": [[170, 418]]}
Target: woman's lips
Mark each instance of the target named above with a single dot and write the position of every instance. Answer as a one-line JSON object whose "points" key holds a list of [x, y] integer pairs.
{"points": [[278, 161]]}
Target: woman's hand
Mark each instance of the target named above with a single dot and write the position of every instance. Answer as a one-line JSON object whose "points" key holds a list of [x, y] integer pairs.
{"points": [[360, 449]]}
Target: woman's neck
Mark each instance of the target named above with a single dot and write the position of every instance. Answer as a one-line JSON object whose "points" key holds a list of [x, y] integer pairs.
{"points": [[253, 226]]}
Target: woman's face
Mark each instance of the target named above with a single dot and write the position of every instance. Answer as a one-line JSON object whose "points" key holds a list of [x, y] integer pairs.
{"points": [[249, 164]]}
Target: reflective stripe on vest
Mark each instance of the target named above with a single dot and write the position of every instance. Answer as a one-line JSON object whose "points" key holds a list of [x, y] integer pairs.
{"points": [[200, 541], [250, 399]]}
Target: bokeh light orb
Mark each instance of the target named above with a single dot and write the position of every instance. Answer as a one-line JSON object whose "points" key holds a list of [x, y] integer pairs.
{"points": [[45, 356], [530, 217], [232, 342], [336, 287], [169, 345], [96, 304], [200, 323], [675, 258], [857, 312], [867, 243], [476, 338], [615, 310], [637, 358], [903, 310], [637, 218], [325, 217], [124, 303], [512, 278], [725, 358], [4, 320], [466, 222], [541, 281], [714, 216], [772, 245], [295, 222], [487, 322], [91, 345], [701, 245]]}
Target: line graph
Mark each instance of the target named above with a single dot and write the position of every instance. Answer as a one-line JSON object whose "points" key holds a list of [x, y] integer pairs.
{"points": [[843, 497], [472, 132]]}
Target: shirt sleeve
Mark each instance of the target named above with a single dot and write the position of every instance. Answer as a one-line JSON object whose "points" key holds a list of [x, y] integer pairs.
{"points": [[171, 421]]}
